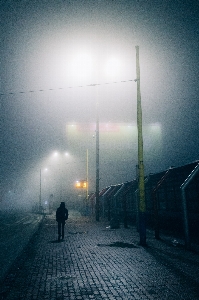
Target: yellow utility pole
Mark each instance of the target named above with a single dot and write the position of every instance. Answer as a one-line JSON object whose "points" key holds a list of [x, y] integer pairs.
{"points": [[141, 188]]}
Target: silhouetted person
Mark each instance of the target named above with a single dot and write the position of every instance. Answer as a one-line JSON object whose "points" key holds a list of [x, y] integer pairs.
{"points": [[61, 217]]}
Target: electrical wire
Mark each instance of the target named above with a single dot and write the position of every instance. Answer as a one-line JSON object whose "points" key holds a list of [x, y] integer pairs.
{"points": [[69, 87]]}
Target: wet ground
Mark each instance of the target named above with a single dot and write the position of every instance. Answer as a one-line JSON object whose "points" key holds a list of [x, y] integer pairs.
{"points": [[96, 262]]}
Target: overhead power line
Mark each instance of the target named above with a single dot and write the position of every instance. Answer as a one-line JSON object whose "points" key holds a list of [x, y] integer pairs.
{"points": [[69, 87]]}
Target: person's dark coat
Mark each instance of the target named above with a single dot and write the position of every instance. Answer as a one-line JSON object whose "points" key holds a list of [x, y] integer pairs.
{"points": [[61, 217], [61, 213]]}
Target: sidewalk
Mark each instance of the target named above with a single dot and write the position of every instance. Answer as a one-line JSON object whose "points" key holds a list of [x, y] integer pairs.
{"points": [[95, 262]]}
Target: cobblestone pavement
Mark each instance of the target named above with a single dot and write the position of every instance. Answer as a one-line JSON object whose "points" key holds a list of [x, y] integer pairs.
{"points": [[96, 262]]}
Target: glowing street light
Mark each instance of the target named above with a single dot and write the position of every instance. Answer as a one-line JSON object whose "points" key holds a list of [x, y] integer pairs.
{"points": [[113, 67], [81, 184]]}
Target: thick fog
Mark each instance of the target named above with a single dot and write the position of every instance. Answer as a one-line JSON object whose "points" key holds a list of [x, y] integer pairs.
{"points": [[59, 59]]}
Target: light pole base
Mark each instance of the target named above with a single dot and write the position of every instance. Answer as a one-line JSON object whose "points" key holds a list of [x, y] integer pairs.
{"points": [[142, 228]]}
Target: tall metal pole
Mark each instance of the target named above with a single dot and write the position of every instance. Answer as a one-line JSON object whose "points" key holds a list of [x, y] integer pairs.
{"points": [[97, 162], [40, 192], [141, 188]]}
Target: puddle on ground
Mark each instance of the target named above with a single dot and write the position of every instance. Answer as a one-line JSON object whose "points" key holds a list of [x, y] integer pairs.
{"points": [[56, 241], [118, 244], [78, 232]]}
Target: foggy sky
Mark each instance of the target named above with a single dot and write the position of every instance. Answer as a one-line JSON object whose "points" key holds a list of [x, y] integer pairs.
{"points": [[40, 91]]}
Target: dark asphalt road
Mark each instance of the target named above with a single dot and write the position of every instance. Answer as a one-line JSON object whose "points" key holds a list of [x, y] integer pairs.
{"points": [[16, 229]]}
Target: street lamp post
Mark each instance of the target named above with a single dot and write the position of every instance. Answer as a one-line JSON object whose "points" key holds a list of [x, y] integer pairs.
{"points": [[40, 192], [97, 208], [141, 188], [113, 66]]}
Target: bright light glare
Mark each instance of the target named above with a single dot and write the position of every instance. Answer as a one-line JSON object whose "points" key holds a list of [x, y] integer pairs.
{"points": [[81, 66], [113, 67], [155, 128]]}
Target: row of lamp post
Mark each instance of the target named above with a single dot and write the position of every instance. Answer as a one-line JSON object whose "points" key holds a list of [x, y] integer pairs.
{"points": [[141, 187]]}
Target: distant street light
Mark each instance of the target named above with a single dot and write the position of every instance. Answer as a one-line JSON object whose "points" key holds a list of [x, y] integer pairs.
{"points": [[55, 153], [81, 184]]}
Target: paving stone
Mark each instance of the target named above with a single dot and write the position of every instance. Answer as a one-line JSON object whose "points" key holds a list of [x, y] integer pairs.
{"points": [[94, 262]]}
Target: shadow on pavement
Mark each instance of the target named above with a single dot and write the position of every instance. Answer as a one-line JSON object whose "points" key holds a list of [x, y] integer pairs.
{"points": [[78, 232], [118, 244], [56, 241]]}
